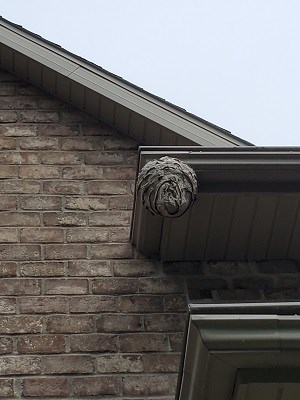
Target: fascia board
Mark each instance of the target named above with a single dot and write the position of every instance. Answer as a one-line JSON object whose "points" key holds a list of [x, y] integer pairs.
{"points": [[148, 108], [271, 342], [243, 156], [248, 332], [238, 332], [114, 89], [36, 52]]}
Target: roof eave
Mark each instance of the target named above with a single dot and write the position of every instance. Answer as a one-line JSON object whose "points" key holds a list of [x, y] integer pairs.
{"points": [[244, 176], [89, 76]]}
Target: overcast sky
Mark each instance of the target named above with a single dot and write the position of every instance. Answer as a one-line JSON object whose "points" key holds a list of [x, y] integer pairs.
{"points": [[235, 63]]}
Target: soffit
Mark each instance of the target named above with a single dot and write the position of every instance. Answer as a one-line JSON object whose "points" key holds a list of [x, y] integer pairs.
{"points": [[247, 208], [137, 113]]}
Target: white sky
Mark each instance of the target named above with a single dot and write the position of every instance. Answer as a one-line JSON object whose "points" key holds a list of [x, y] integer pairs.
{"points": [[235, 63]]}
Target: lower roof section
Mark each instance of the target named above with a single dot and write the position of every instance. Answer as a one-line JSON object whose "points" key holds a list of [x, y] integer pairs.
{"points": [[247, 207], [240, 356]]}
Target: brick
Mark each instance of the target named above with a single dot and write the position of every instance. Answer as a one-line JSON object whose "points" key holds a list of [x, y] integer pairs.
{"points": [[52, 103], [18, 130], [157, 362], [68, 364], [97, 386], [165, 322], [76, 116], [253, 282], [65, 251], [290, 281], [143, 342], [87, 235], [204, 296], [83, 172], [7, 144], [182, 268], [8, 171], [277, 267], [18, 158], [19, 219], [63, 187], [114, 286], [120, 173], [160, 285], [107, 187], [176, 341], [111, 250], [145, 385], [39, 116], [45, 387], [16, 324], [6, 388], [196, 291], [8, 203], [119, 323], [42, 269], [17, 287], [64, 219], [39, 172], [69, 324], [8, 235], [195, 285], [97, 129], [81, 144], [8, 269], [125, 143], [140, 304], [121, 203], [43, 305], [41, 344], [20, 365], [176, 303], [41, 203], [104, 158], [8, 116], [66, 286], [58, 130], [20, 252], [282, 294], [29, 90], [228, 268], [120, 234], [135, 268], [92, 304], [119, 363], [7, 89], [131, 158], [61, 158], [96, 343], [41, 235], [20, 186], [86, 203], [6, 345], [239, 294], [109, 218], [7, 305], [39, 143], [89, 268], [17, 103]]}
